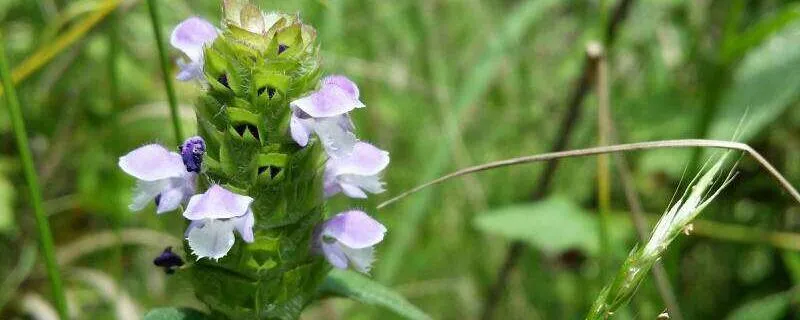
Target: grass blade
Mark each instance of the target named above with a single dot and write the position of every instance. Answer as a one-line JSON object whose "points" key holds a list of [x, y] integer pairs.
{"points": [[42, 56], [43, 226]]}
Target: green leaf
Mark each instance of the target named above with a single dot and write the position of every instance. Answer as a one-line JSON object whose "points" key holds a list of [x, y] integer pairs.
{"points": [[770, 307], [172, 313], [552, 225], [358, 287], [764, 86]]}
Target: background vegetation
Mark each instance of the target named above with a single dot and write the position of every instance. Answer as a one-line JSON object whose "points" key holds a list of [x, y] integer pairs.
{"points": [[447, 84]]}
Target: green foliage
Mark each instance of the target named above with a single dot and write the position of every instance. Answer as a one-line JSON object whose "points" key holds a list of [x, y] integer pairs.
{"points": [[764, 86], [771, 307], [553, 225], [175, 314], [356, 286]]}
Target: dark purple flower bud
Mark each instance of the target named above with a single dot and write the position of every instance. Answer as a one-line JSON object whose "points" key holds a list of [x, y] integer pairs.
{"points": [[192, 153], [168, 260]]}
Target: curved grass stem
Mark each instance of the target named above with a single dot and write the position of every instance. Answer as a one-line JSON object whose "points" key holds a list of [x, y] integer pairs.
{"points": [[660, 144], [165, 63], [43, 226]]}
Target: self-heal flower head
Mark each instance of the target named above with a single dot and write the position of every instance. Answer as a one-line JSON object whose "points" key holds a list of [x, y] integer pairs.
{"points": [[348, 239], [356, 173], [162, 176], [324, 112], [191, 36], [214, 215]]}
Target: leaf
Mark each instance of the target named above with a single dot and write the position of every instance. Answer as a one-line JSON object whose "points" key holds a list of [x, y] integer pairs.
{"points": [[764, 86], [173, 313], [358, 287], [552, 225], [770, 307]]}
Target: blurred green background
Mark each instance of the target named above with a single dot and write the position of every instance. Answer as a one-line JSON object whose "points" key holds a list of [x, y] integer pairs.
{"points": [[447, 84]]}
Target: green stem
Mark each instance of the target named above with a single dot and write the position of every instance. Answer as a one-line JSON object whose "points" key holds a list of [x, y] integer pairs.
{"points": [[45, 237], [165, 63]]}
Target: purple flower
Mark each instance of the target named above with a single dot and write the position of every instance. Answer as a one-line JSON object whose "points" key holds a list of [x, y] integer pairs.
{"points": [[324, 112], [161, 175], [192, 151], [168, 260], [191, 36], [214, 215], [348, 238], [356, 172]]}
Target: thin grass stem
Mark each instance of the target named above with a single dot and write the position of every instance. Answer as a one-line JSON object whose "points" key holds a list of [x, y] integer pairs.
{"points": [[165, 67], [29, 169], [603, 170], [659, 144]]}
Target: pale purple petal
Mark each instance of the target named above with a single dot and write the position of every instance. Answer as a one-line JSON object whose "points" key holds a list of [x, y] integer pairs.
{"points": [[192, 225], [244, 225], [189, 71], [331, 183], [371, 184], [336, 136], [217, 203], [169, 200], [145, 192], [334, 254], [178, 190], [360, 259], [300, 130], [191, 35], [212, 240], [328, 101], [354, 229], [152, 162], [365, 159], [352, 191], [343, 83]]}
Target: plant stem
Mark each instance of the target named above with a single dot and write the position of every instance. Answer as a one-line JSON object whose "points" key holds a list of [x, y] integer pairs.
{"points": [[603, 171], [659, 144], [165, 63], [45, 236]]}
